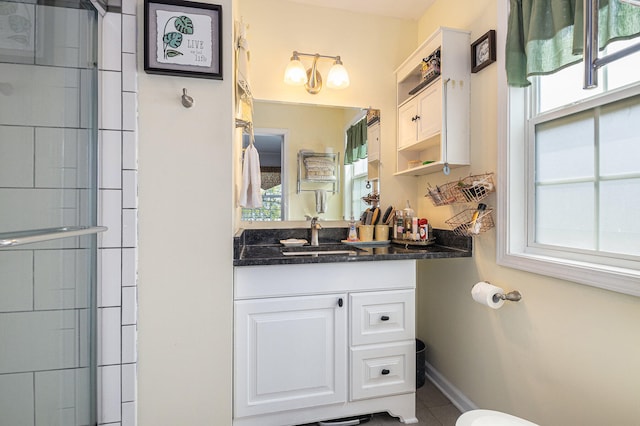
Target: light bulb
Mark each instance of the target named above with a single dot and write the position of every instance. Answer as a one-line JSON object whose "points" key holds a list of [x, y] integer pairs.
{"points": [[338, 77], [295, 74]]}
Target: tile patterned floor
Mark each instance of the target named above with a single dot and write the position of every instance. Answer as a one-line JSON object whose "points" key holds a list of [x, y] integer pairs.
{"points": [[432, 409]]}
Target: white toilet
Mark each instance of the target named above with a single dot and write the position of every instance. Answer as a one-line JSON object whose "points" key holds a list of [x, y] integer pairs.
{"points": [[490, 418]]}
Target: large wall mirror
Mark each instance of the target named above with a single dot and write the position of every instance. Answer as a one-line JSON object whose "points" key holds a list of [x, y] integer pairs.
{"points": [[282, 131]]}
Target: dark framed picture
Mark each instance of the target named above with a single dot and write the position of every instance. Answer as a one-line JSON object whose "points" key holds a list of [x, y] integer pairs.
{"points": [[483, 51], [183, 38]]}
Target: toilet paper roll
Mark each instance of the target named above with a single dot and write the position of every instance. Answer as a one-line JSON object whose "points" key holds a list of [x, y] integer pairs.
{"points": [[483, 293]]}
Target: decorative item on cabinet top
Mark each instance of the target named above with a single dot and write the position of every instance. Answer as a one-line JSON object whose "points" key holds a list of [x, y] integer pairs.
{"points": [[373, 116], [429, 71]]}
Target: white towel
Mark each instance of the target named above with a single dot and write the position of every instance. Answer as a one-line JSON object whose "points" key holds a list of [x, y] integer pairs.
{"points": [[321, 200], [250, 196]]}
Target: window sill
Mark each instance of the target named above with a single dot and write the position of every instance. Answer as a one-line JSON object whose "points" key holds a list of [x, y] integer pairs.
{"points": [[620, 280]]}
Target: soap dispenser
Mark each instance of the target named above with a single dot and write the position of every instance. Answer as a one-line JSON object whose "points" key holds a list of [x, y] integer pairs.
{"points": [[353, 235]]}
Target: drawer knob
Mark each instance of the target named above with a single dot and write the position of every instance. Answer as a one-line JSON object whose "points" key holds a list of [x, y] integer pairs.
{"points": [[340, 302], [384, 372], [384, 318]]}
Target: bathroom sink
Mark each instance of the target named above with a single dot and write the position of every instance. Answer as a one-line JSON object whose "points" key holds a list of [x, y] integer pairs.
{"points": [[331, 249]]}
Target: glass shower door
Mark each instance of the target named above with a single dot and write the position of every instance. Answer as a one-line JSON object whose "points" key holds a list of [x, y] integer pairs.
{"points": [[48, 187]]}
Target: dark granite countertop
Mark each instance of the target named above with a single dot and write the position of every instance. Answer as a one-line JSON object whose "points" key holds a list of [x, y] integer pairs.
{"points": [[262, 247]]}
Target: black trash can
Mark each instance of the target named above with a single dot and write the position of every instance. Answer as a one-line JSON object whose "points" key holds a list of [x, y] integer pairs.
{"points": [[420, 361]]}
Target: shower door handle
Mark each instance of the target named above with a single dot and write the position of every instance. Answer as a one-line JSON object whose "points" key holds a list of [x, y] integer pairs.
{"points": [[18, 238]]}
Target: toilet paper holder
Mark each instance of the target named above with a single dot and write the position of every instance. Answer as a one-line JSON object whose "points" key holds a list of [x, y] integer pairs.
{"points": [[512, 296]]}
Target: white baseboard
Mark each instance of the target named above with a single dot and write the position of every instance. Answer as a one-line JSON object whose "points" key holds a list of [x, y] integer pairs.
{"points": [[454, 394]]}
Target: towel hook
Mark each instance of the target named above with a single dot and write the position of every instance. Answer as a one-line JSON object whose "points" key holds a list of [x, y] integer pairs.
{"points": [[187, 101]]}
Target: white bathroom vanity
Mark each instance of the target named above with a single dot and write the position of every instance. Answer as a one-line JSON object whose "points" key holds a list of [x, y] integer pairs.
{"points": [[321, 341]]}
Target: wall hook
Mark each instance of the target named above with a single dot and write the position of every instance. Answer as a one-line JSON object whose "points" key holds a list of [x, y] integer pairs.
{"points": [[187, 101]]}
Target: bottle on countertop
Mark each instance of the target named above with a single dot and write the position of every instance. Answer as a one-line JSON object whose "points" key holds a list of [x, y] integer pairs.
{"points": [[353, 234], [424, 229], [408, 222], [398, 228]]}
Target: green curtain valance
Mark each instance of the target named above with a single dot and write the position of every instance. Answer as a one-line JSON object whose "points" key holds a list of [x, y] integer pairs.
{"points": [[356, 148], [544, 36]]}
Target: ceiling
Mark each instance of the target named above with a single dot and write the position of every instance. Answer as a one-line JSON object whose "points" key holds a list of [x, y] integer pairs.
{"points": [[406, 9]]}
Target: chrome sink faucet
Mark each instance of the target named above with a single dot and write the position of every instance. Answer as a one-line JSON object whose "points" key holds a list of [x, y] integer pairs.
{"points": [[315, 226]]}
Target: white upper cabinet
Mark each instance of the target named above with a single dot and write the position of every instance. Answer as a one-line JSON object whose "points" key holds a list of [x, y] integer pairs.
{"points": [[433, 105]]}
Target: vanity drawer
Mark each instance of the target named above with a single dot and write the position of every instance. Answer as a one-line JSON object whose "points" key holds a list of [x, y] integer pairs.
{"points": [[382, 316], [381, 370]]}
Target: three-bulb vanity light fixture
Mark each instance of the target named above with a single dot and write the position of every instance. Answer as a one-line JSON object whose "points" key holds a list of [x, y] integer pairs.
{"points": [[297, 75]]}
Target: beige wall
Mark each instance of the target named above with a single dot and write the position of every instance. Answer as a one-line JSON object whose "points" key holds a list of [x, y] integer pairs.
{"points": [[185, 240], [567, 354], [371, 47]]}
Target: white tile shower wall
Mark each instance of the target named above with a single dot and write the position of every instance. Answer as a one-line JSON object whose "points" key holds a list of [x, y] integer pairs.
{"points": [[48, 120], [129, 305], [110, 284], [59, 206], [72, 408], [43, 88], [129, 413], [110, 394], [16, 291], [61, 157], [17, 399], [60, 277], [13, 147], [111, 52], [110, 215], [109, 352], [118, 210], [128, 382], [38, 345], [110, 159]]}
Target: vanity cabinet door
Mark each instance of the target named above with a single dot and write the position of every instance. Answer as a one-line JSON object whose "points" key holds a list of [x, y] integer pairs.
{"points": [[290, 353]]}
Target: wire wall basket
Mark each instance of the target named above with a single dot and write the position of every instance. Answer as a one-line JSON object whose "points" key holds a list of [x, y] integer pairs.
{"points": [[446, 194], [471, 222], [477, 187], [467, 190]]}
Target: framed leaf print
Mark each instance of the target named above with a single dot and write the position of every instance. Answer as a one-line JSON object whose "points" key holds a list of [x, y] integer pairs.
{"points": [[183, 38]]}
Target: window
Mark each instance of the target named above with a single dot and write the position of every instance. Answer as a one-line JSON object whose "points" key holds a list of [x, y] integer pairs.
{"points": [[355, 160], [271, 209], [570, 172]]}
